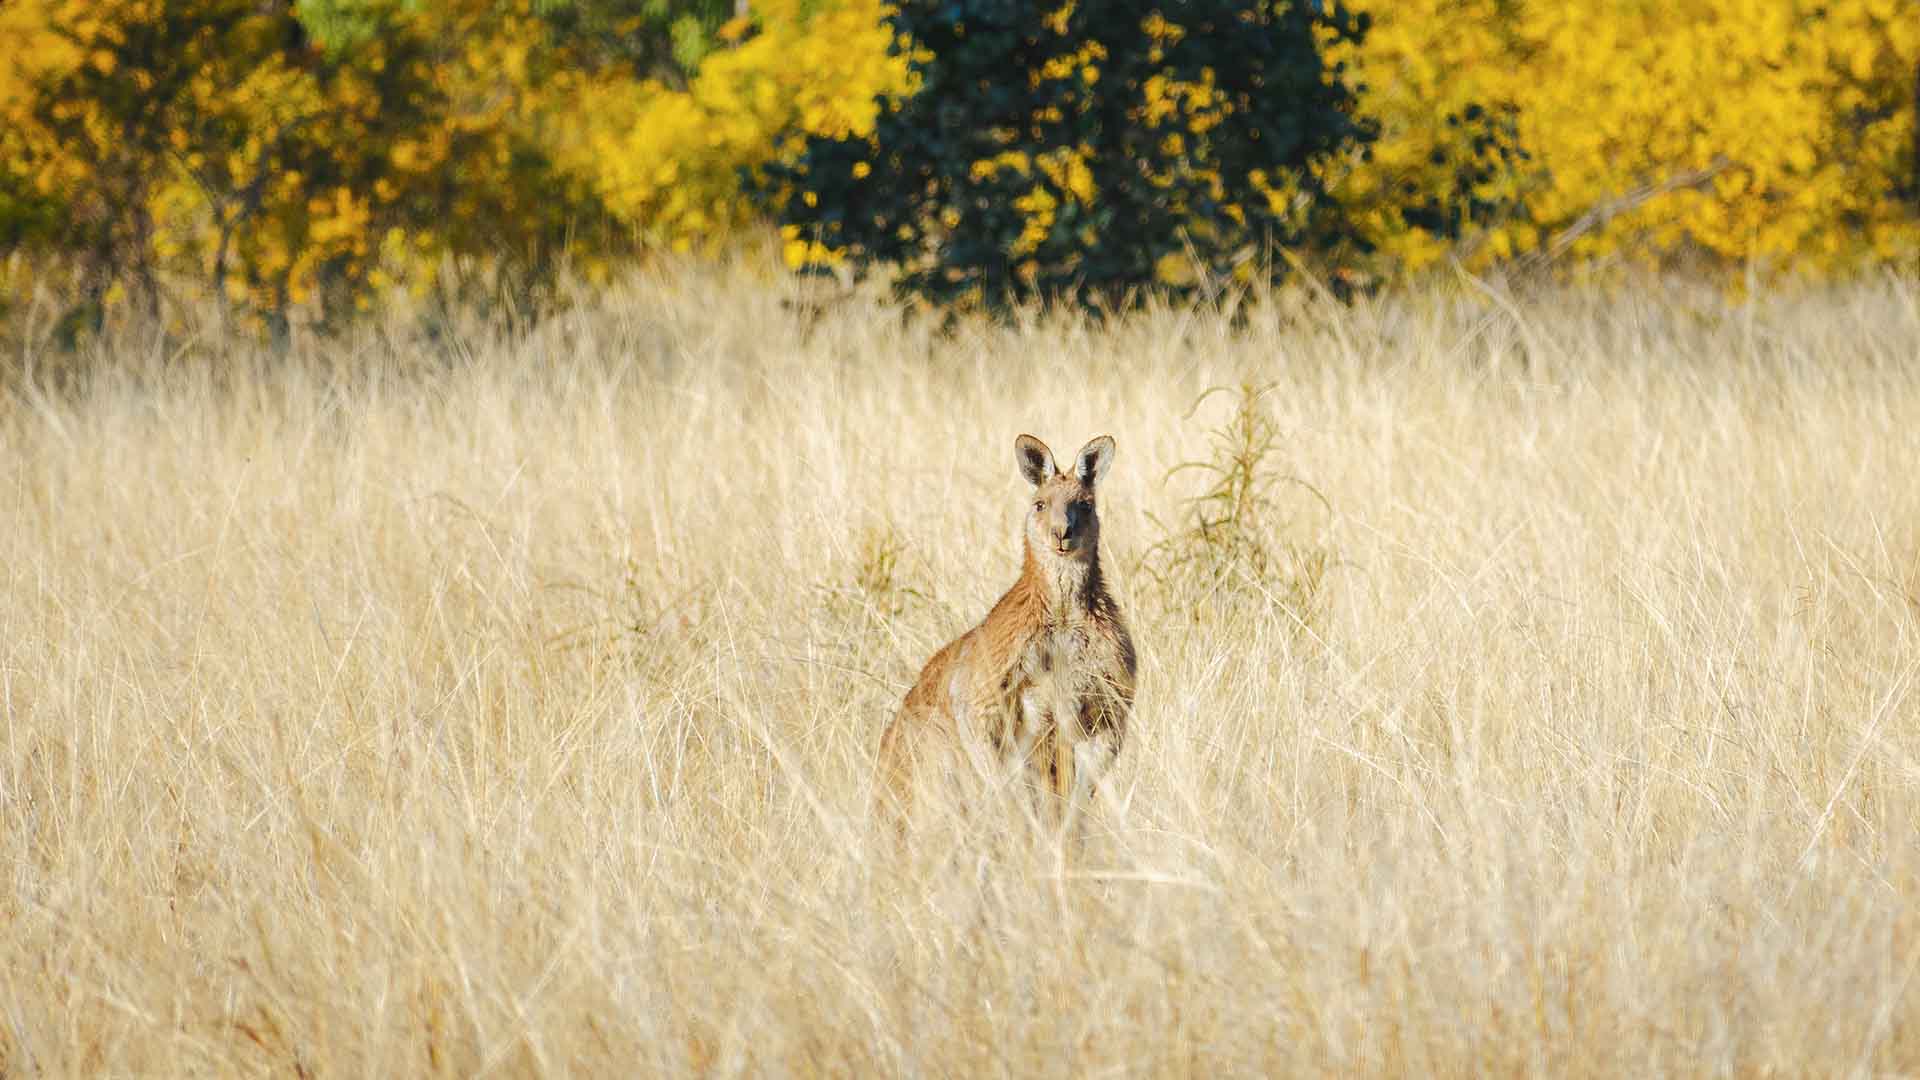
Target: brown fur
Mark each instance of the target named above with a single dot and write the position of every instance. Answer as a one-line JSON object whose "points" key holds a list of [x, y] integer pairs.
{"points": [[1048, 675]]}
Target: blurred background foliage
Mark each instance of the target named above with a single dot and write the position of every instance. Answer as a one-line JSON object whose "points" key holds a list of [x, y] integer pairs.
{"points": [[294, 162]]}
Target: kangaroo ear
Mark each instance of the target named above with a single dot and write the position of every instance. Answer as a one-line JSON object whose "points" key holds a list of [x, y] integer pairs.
{"points": [[1036, 461], [1090, 464]]}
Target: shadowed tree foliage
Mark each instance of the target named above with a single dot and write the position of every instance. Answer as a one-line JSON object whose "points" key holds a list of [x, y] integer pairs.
{"points": [[124, 116], [660, 39], [654, 39], [1086, 152]]}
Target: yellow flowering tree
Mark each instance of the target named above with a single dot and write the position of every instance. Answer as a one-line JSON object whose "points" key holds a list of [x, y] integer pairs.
{"points": [[100, 118], [224, 149], [1771, 130], [31, 185], [670, 161]]}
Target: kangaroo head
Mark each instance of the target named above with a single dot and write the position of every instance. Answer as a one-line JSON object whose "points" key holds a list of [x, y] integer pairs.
{"points": [[1062, 520]]}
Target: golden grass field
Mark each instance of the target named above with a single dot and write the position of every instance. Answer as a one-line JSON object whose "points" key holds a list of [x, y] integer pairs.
{"points": [[507, 704]]}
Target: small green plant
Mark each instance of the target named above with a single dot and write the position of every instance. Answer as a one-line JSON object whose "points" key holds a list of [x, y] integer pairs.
{"points": [[876, 573], [1236, 544], [864, 606], [656, 617], [877, 582]]}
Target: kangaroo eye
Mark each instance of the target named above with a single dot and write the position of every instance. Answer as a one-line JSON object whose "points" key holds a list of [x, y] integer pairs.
{"points": [[1039, 505]]}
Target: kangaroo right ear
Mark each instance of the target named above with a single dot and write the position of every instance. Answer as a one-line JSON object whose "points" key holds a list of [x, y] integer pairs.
{"points": [[1090, 464], [1036, 461]]}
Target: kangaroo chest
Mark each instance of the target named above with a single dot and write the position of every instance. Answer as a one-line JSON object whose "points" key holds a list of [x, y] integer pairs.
{"points": [[1055, 674]]}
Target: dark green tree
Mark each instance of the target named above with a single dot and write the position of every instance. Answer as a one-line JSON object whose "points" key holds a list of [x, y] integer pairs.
{"points": [[1086, 152]]}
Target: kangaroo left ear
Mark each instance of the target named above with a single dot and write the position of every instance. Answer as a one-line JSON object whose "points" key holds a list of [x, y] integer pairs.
{"points": [[1091, 463], [1034, 459]]}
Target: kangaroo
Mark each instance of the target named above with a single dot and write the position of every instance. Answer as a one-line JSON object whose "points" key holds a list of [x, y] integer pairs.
{"points": [[1047, 679]]}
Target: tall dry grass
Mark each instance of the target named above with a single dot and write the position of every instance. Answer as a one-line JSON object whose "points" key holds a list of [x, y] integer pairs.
{"points": [[487, 704]]}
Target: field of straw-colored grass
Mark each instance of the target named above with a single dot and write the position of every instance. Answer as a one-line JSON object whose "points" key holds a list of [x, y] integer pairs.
{"points": [[485, 703]]}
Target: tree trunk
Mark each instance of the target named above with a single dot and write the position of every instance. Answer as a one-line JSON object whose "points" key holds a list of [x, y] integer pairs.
{"points": [[146, 282], [279, 320]]}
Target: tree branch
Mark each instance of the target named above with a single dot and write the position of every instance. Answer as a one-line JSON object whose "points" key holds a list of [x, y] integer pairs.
{"points": [[1600, 214]]}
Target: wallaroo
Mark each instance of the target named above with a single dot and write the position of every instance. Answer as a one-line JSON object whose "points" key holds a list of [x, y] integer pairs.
{"points": [[1045, 683]]}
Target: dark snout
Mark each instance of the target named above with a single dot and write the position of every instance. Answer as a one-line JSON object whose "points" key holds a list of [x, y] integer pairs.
{"points": [[1068, 523]]}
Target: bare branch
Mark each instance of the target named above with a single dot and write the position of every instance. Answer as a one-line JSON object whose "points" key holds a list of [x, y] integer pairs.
{"points": [[1602, 213]]}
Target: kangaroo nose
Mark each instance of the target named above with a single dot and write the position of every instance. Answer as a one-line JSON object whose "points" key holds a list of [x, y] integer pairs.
{"points": [[1065, 526]]}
